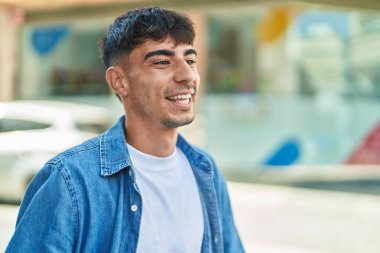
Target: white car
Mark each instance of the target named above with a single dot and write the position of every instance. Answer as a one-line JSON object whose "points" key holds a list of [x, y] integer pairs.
{"points": [[32, 132]]}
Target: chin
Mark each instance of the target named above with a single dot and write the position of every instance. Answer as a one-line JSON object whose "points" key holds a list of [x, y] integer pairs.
{"points": [[175, 123]]}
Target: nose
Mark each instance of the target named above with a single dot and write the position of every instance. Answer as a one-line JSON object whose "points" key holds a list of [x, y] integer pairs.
{"points": [[184, 73]]}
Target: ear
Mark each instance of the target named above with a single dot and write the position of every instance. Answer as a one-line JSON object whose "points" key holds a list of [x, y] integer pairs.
{"points": [[117, 80]]}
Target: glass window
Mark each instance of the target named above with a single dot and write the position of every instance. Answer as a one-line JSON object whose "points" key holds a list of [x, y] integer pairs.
{"points": [[8, 125], [61, 60], [92, 127]]}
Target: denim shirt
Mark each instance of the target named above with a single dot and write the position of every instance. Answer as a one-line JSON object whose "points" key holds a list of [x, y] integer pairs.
{"points": [[86, 200]]}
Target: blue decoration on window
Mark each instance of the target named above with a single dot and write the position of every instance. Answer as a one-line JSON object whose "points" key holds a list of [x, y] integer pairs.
{"points": [[286, 154], [337, 21], [45, 39]]}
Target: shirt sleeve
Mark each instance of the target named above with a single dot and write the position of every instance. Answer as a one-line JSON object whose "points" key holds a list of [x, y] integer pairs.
{"points": [[46, 219], [231, 238]]}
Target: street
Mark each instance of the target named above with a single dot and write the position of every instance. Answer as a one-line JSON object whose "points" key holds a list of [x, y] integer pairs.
{"points": [[274, 219]]}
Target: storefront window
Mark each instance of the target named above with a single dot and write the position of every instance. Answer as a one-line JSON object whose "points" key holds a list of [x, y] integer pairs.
{"points": [[62, 60]]}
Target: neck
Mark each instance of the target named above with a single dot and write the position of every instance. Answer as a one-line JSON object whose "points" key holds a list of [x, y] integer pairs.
{"points": [[149, 140]]}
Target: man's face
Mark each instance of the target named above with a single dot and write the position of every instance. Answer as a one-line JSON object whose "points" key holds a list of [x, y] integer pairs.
{"points": [[163, 81]]}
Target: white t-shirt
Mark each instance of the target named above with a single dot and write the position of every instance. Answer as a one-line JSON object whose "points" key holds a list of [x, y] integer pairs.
{"points": [[172, 218]]}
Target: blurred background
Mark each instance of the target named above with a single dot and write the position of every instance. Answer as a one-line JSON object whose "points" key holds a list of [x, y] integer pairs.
{"points": [[289, 108]]}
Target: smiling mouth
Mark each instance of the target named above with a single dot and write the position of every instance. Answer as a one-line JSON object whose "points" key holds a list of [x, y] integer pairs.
{"points": [[181, 98]]}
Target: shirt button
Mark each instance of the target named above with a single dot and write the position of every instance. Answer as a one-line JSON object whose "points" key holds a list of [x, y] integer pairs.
{"points": [[130, 172], [134, 208], [216, 240]]}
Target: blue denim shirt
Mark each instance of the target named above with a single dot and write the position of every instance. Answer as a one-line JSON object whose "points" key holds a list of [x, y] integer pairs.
{"points": [[86, 200]]}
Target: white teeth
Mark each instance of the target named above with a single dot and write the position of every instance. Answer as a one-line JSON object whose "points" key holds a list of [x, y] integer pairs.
{"points": [[187, 96], [186, 101]]}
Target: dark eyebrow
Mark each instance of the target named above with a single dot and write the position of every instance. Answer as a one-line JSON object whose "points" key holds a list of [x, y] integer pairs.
{"points": [[190, 51], [159, 52]]}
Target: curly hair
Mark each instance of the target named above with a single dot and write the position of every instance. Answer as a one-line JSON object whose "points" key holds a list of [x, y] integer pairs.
{"points": [[139, 25]]}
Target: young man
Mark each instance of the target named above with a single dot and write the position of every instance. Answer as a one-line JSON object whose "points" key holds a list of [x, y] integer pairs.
{"points": [[139, 187]]}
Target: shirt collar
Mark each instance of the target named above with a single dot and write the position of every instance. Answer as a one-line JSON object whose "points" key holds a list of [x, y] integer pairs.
{"points": [[113, 150], [114, 155], [196, 156]]}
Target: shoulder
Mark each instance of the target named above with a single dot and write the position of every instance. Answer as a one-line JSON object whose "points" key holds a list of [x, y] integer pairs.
{"points": [[61, 166], [87, 148], [75, 164], [59, 174]]}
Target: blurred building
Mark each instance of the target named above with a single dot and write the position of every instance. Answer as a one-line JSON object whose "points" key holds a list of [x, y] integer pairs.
{"points": [[299, 78], [56, 41], [9, 20], [56, 50]]}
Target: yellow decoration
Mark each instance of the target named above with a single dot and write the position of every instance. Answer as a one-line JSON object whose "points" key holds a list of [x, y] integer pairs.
{"points": [[273, 25]]}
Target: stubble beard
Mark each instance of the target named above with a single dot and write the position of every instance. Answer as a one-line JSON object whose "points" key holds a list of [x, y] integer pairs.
{"points": [[175, 123]]}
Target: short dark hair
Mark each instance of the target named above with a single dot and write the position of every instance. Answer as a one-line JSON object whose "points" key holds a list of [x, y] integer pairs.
{"points": [[139, 25]]}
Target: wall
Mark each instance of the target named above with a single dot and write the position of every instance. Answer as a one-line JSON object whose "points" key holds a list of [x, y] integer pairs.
{"points": [[8, 27]]}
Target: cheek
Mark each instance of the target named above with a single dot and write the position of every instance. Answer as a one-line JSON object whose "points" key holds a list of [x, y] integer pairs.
{"points": [[197, 77], [140, 85], [151, 96]]}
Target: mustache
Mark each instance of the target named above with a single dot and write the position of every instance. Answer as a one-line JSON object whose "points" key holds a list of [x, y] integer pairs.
{"points": [[180, 89], [190, 87]]}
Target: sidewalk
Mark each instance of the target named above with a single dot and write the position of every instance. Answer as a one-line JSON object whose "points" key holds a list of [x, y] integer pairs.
{"points": [[273, 219]]}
